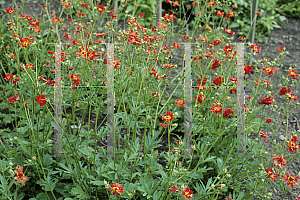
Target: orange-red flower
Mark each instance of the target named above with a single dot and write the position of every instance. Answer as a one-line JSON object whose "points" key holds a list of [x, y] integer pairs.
{"points": [[200, 98], [76, 79], [280, 161], [8, 77], [218, 81], [179, 103], [169, 117], [291, 180], [284, 90], [10, 11], [281, 49], [267, 101], [269, 70], [264, 134], [101, 8], [255, 48], [173, 188], [20, 176], [228, 113], [271, 175], [14, 98], [293, 73], [220, 14], [176, 44], [55, 20], [212, 3], [291, 96], [117, 188], [187, 193], [41, 99], [293, 144], [216, 108]]}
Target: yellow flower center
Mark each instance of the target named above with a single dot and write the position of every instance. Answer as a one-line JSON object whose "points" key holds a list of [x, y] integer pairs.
{"points": [[291, 179], [83, 52], [187, 193], [268, 70], [168, 117], [180, 102], [292, 144], [116, 189], [292, 73], [216, 109], [25, 43]]}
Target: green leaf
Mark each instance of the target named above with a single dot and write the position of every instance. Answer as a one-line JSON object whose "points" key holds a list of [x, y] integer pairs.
{"points": [[79, 193]]}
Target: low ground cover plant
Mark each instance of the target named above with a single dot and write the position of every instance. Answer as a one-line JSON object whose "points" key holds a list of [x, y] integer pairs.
{"points": [[142, 73]]}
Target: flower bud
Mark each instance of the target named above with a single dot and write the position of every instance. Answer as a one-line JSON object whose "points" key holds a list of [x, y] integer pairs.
{"points": [[176, 113], [11, 164]]}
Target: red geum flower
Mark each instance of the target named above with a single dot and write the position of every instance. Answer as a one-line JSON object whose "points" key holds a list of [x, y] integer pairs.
{"points": [[291, 96], [293, 73], [16, 80], [55, 20], [218, 81], [10, 11], [14, 98], [24, 42], [8, 77], [233, 90], [242, 37], [216, 64], [200, 98], [41, 99], [280, 161], [209, 54], [164, 125], [293, 144], [264, 134], [248, 69], [101, 8], [228, 113], [187, 193], [20, 176], [269, 70], [169, 117], [29, 66], [227, 49], [212, 3], [284, 90], [175, 149], [219, 13], [179, 103], [269, 121], [216, 108], [173, 188], [117, 188], [267, 101], [176, 44], [271, 175], [291, 180], [281, 49], [255, 48]]}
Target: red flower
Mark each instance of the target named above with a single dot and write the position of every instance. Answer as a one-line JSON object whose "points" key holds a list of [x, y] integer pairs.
{"points": [[176, 44], [209, 54], [255, 48], [164, 125], [293, 74], [269, 121], [233, 90], [218, 81], [242, 37], [248, 69], [281, 49], [117, 188], [141, 15], [16, 80], [227, 49], [284, 90], [200, 98], [291, 180], [10, 11], [212, 3], [24, 42], [269, 70], [76, 79], [291, 96], [187, 193], [173, 188], [216, 108], [55, 20], [220, 14], [169, 117], [228, 113], [14, 98], [293, 144], [41, 99], [215, 64], [267, 101], [271, 175], [264, 134], [179, 103], [8, 77], [101, 8], [20, 176], [280, 161]]}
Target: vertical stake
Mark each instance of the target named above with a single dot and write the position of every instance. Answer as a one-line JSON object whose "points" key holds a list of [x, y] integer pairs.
{"points": [[110, 102], [188, 101]]}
